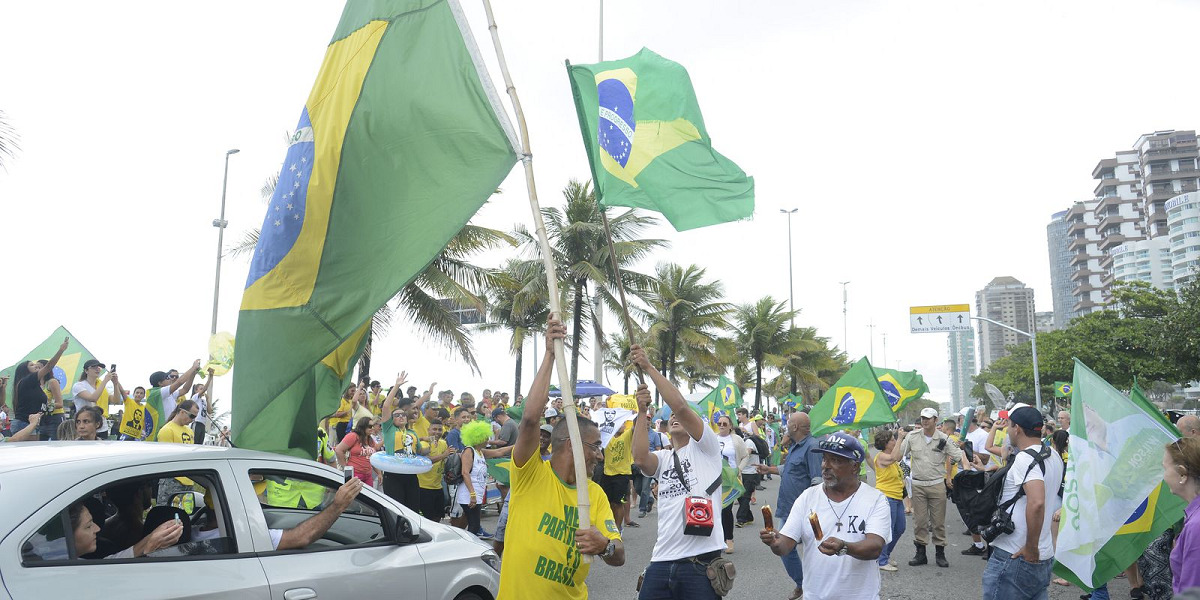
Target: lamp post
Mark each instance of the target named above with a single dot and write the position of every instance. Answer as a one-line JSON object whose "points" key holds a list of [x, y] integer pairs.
{"points": [[1037, 380], [791, 288], [845, 336], [220, 225]]}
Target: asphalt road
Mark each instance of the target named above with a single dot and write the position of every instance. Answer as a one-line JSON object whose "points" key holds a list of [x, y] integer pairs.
{"points": [[761, 575]]}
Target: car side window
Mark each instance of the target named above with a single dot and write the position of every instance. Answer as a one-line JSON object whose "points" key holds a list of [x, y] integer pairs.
{"points": [[288, 499], [119, 521]]}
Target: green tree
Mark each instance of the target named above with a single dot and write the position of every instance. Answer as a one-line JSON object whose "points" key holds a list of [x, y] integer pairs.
{"points": [[580, 249], [9, 140], [685, 313], [764, 337]]}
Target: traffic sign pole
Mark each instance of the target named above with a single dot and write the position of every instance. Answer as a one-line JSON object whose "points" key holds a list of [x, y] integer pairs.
{"points": [[1037, 385]]}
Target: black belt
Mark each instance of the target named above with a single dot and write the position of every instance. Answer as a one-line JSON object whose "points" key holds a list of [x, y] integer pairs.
{"points": [[705, 558]]}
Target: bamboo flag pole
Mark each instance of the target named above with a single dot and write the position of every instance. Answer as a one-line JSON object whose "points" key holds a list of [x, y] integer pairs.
{"points": [[564, 382]]}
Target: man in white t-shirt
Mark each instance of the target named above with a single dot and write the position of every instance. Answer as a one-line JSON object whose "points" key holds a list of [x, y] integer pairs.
{"points": [[841, 526], [678, 562], [1022, 560]]}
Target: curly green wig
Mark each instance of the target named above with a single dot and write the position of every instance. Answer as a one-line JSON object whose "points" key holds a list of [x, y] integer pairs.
{"points": [[476, 432]]}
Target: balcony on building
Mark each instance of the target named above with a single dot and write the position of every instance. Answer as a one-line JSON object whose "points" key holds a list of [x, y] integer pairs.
{"points": [[1112, 241], [1086, 304], [1105, 169], [1078, 242], [1079, 257]]}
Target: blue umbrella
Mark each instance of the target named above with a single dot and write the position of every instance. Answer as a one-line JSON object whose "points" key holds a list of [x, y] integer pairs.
{"points": [[584, 388]]}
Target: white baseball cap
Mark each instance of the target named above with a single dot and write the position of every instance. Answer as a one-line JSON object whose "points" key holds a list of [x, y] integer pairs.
{"points": [[928, 413]]}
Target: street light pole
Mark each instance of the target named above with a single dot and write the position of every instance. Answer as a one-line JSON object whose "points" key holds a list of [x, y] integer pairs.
{"points": [[791, 288], [220, 225], [845, 336], [1037, 380], [871, 352]]}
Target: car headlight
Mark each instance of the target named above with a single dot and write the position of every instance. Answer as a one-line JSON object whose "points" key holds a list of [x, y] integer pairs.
{"points": [[492, 560]]}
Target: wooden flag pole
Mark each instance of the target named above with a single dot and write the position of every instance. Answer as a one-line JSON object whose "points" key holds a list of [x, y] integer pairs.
{"points": [[564, 381]]}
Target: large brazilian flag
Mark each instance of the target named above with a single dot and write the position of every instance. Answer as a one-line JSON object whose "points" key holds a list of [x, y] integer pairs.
{"points": [[1114, 499], [647, 145], [855, 402], [400, 142]]}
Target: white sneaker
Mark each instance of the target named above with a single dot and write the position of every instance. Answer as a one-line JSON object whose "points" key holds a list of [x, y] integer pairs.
{"points": [[889, 568]]}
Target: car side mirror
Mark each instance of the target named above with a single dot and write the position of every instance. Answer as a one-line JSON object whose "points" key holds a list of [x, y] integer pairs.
{"points": [[405, 532]]}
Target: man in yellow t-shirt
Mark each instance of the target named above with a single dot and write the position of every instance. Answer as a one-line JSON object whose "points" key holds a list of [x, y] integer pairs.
{"points": [[433, 502], [176, 431], [618, 474], [544, 542]]}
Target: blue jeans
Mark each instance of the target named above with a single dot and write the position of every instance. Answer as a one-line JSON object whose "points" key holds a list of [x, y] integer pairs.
{"points": [[1100, 593], [898, 525], [1009, 579], [676, 580], [644, 495]]}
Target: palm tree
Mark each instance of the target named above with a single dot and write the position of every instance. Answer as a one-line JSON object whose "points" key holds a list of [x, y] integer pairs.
{"points": [[685, 313], [810, 370], [581, 255], [449, 276], [764, 337], [517, 305], [616, 357], [9, 140]]}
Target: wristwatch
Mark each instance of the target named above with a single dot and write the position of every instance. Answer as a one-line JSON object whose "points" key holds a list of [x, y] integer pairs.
{"points": [[610, 549], [842, 551]]}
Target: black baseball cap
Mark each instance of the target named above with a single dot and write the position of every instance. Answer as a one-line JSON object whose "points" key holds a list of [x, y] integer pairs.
{"points": [[91, 362], [1027, 418], [157, 377]]}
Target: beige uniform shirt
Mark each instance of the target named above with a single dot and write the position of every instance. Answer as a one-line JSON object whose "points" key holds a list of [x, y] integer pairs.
{"points": [[927, 461]]}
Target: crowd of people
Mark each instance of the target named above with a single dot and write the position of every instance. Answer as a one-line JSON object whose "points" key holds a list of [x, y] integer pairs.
{"points": [[836, 535]]}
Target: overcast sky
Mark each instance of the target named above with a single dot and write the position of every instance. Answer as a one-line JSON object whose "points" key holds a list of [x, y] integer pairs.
{"points": [[925, 144]]}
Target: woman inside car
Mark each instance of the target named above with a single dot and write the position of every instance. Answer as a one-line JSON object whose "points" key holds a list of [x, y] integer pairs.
{"points": [[85, 529]]}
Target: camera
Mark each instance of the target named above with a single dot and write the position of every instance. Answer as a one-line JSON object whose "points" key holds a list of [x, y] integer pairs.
{"points": [[1001, 524]]}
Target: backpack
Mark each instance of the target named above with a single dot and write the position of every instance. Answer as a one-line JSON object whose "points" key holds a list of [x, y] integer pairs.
{"points": [[977, 493], [760, 445], [453, 472]]}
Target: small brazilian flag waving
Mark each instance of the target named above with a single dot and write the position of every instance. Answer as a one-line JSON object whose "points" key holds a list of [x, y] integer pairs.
{"points": [[855, 402], [1062, 389], [647, 145], [901, 387]]}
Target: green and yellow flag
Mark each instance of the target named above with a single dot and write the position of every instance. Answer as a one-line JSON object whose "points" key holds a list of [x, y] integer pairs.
{"points": [[900, 387], [794, 401], [724, 399], [647, 145], [855, 402], [1062, 389], [67, 371], [402, 139], [1114, 499]]}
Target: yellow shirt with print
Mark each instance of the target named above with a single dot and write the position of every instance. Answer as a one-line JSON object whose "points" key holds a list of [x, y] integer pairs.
{"points": [[540, 558], [175, 433], [618, 455], [432, 479], [377, 404], [343, 407]]}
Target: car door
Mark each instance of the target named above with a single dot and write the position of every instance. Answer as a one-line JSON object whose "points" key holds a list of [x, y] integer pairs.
{"points": [[47, 565], [355, 558]]}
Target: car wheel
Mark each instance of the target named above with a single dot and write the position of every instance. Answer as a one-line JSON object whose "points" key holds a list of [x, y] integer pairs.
{"points": [[468, 596]]}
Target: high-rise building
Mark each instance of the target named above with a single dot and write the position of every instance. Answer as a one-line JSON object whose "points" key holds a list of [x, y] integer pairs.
{"points": [[1060, 268], [1083, 244], [1168, 168], [1120, 217], [1045, 321], [961, 347], [1004, 300], [1143, 260], [1183, 224]]}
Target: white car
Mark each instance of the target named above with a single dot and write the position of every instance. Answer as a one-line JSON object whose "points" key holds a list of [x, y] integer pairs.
{"points": [[233, 505]]}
